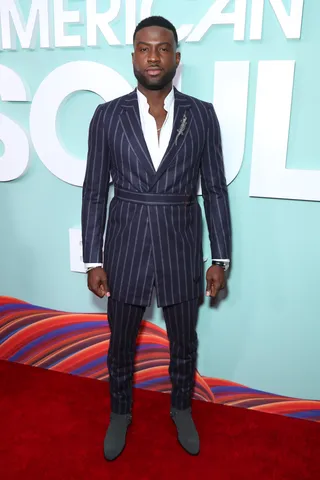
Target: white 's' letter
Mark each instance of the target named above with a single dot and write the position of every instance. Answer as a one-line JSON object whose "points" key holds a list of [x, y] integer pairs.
{"points": [[14, 161]]}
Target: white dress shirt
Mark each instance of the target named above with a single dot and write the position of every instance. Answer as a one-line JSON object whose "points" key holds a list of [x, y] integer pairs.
{"points": [[157, 144]]}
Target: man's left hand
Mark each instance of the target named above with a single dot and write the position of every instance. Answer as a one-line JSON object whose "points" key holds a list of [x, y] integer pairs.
{"points": [[215, 280]]}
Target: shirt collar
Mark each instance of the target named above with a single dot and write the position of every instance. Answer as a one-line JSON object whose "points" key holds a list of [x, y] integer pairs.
{"points": [[168, 101]]}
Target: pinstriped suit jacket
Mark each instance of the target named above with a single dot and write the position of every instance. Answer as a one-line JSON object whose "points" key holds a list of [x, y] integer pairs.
{"points": [[158, 245]]}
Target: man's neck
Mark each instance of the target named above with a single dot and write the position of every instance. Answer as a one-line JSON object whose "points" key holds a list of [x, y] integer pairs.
{"points": [[155, 98]]}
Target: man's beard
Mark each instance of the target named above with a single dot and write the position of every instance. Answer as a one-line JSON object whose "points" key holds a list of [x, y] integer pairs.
{"points": [[162, 83]]}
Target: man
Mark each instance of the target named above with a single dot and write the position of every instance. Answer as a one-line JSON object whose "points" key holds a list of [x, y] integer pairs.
{"points": [[154, 142]]}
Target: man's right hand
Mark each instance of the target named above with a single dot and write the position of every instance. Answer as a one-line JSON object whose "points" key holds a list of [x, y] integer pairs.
{"points": [[97, 282]]}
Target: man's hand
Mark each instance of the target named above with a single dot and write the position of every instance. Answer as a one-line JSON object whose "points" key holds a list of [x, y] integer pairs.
{"points": [[97, 282], [215, 280]]}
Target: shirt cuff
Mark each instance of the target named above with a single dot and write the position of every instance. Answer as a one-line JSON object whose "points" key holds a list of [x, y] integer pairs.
{"points": [[90, 266], [224, 261]]}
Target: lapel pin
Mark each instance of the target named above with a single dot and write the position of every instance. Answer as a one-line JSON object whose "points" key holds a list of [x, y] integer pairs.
{"points": [[182, 127]]}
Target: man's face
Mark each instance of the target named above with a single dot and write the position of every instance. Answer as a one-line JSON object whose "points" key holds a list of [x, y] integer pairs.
{"points": [[155, 59]]}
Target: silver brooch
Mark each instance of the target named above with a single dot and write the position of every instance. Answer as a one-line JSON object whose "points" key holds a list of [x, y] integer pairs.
{"points": [[182, 127]]}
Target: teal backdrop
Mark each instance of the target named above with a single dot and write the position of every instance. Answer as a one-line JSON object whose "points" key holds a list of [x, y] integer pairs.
{"points": [[266, 333]]}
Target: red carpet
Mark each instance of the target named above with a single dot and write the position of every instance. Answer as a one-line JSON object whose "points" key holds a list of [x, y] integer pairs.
{"points": [[53, 425]]}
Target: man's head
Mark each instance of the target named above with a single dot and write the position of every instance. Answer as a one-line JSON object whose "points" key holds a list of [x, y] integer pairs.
{"points": [[155, 58]]}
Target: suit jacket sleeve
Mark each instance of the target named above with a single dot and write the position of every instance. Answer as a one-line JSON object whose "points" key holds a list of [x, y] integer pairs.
{"points": [[95, 189], [214, 191]]}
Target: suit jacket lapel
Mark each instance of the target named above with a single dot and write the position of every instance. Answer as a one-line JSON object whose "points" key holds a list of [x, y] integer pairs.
{"points": [[181, 125], [131, 123]]}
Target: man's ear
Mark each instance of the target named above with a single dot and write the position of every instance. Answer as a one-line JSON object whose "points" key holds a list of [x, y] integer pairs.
{"points": [[178, 58]]}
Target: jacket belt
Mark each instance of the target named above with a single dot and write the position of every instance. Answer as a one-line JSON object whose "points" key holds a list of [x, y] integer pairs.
{"points": [[154, 198]]}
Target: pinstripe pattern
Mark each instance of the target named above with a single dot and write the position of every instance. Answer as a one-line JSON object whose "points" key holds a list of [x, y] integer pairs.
{"points": [[124, 321], [154, 244]]}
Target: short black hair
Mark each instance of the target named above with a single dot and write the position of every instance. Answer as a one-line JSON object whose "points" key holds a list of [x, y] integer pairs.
{"points": [[156, 21]]}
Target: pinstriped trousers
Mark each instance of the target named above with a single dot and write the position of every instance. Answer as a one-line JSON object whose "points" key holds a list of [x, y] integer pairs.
{"points": [[124, 322]]}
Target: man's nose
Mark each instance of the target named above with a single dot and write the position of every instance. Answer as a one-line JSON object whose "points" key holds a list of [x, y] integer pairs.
{"points": [[153, 56]]}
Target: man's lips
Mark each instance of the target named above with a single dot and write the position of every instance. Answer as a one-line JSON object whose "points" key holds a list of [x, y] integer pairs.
{"points": [[153, 72]]}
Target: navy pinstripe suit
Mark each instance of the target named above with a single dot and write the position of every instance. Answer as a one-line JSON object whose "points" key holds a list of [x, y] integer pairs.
{"points": [[154, 230]]}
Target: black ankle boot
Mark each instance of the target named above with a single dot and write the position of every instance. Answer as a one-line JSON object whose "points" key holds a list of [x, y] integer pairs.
{"points": [[187, 432], [115, 439]]}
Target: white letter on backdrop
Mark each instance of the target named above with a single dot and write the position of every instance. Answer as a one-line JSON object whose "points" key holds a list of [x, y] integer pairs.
{"points": [[215, 16], [131, 15], [9, 11], [256, 19], [177, 81], [55, 88], [290, 23], [145, 11], [231, 83], [102, 21], [60, 18], [14, 161], [230, 99], [269, 176], [184, 31]]}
